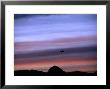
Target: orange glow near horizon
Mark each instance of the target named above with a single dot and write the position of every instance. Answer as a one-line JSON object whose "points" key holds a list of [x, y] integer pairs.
{"points": [[41, 64]]}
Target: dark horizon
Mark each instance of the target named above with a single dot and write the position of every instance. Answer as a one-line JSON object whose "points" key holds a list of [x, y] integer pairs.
{"points": [[53, 71]]}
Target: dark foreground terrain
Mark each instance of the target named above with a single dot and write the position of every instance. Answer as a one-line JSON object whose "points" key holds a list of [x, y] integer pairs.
{"points": [[53, 71]]}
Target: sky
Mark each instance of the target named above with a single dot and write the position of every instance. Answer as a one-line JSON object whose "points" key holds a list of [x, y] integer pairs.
{"points": [[39, 38]]}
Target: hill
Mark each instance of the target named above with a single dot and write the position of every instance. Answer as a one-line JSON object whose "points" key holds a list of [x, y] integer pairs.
{"points": [[53, 71]]}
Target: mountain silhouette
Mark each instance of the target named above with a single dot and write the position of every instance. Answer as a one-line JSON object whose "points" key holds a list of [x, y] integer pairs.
{"points": [[56, 71], [53, 71]]}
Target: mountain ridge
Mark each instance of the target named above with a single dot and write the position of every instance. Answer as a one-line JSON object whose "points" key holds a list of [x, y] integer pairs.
{"points": [[53, 71]]}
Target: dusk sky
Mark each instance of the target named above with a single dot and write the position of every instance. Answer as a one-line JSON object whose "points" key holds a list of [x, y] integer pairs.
{"points": [[39, 38]]}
